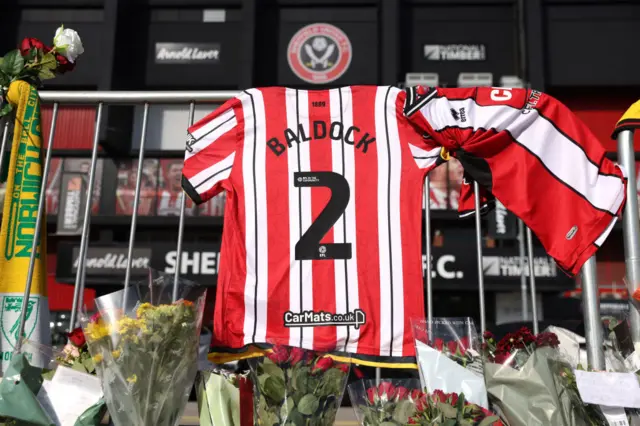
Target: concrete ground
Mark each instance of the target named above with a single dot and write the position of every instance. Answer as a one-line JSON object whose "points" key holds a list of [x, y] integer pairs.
{"points": [[346, 417]]}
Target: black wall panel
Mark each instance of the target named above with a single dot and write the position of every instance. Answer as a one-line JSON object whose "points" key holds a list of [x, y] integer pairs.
{"points": [[89, 23], [359, 25], [593, 45], [492, 27], [186, 28]]}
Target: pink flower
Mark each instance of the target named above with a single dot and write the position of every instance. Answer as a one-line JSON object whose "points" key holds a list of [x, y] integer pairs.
{"points": [[297, 354], [322, 365]]}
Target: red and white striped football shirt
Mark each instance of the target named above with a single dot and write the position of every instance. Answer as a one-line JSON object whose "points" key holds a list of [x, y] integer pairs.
{"points": [[322, 232]]}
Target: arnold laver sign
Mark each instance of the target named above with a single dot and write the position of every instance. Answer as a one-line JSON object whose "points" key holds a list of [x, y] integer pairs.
{"points": [[455, 52], [187, 53], [113, 261]]}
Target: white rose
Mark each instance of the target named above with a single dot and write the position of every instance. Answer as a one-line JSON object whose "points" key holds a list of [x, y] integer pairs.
{"points": [[67, 42]]}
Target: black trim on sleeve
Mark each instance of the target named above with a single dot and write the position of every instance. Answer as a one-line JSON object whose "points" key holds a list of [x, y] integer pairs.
{"points": [[414, 102], [191, 191]]}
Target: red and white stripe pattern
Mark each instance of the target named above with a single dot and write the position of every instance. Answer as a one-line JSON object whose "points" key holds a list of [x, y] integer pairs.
{"points": [[538, 159], [266, 215]]}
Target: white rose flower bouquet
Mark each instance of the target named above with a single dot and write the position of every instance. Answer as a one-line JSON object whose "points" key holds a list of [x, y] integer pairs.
{"points": [[34, 62]]}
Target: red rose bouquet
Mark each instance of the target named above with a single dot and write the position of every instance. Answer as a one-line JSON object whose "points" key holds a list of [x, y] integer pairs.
{"points": [[35, 61], [519, 378], [391, 402], [450, 409], [448, 352], [296, 386]]}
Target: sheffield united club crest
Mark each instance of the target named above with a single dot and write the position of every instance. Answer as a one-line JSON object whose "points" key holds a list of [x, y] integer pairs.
{"points": [[319, 53]]}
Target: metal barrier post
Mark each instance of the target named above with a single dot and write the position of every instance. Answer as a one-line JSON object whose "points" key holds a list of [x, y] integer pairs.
{"points": [[36, 233], [84, 239], [532, 283], [631, 228], [523, 276], [183, 203], [591, 312], [136, 199], [427, 246], [483, 317]]}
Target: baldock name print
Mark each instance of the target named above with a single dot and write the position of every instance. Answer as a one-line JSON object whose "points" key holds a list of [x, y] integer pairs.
{"points": [[319, 130]]}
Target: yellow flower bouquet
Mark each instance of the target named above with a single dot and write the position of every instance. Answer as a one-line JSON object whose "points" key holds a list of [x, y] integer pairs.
{"points": [[145, 350]]}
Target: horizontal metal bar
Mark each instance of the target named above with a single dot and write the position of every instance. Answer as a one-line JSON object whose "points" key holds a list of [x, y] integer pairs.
{"points": [[139, 97]]}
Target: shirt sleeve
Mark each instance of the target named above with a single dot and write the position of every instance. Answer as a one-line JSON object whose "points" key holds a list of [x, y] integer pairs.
{"points": [[210, 152]]}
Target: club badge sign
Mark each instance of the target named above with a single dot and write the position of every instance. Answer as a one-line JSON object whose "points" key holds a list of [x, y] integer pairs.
{"points": [[319, 53]]}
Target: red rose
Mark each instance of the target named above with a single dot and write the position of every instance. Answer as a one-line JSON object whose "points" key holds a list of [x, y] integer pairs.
{"points": [[421, 403], [279, 354], [32, 43], [412, 421], [439, 343], [322, 365], [401, 393], [453, 398], [372, 393], [452, 346], [344, 368], [77, 337], [63, 64], [501, 358], [359, 374], [416, 394], [438, 396], [95, 317], [487, 335], [463, 345], [297, 354], [386, 389]]}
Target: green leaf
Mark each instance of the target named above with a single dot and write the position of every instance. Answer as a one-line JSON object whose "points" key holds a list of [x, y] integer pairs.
{"points": [[6, 109], [404, 409], [46, 74], [274, 388], [448, 411], [286, 408], [296, 418], [450, 422], [49, 61], [48, 374], [388, 424], [300, 376], [487, 421], [13, 63], [89, 364], [268, 367], [308, 405]]}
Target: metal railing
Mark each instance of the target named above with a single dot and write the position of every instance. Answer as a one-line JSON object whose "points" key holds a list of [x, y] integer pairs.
{"points": [[590, 287]]}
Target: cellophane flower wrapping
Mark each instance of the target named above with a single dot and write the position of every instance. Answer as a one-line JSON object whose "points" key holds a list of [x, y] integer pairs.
{"points": [[36, 396], [145, 349], [519, 378], [390, 402], [450, 409], [450, 360], [225, 397], [295, 386]]}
